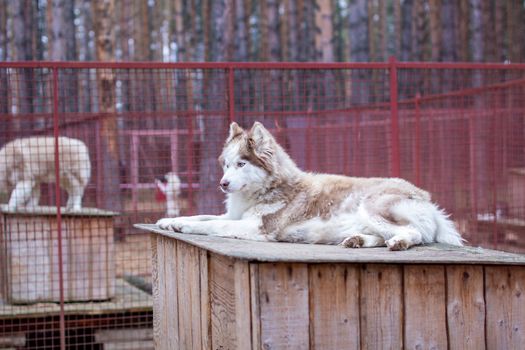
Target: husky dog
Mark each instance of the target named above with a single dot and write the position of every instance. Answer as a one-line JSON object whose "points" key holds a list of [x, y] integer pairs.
{"points": [[169, 185], [28, 162], [270, 199]]}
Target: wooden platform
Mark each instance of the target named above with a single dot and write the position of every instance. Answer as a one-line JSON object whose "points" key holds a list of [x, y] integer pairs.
{"points": [[127, 298], [214, 293]]}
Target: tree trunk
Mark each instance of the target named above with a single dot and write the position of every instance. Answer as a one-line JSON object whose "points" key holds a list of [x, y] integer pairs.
{"points": [[62, 47], [5, 124], [420, 31], [396, 47], [435, 29], [179, 36], [476, 29], [406, 30], [85, 53], [463, 30], [338, 37], [478, 126], [324, 31], [359, 48], [23, 51], [242, 33], [215, 126], [103, 12], [274, 45], [306, 45], [448, 20], [499, 30], [515, 28]]}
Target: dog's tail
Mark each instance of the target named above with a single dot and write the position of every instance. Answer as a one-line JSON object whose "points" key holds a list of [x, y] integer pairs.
{"points": [[446, 230]]}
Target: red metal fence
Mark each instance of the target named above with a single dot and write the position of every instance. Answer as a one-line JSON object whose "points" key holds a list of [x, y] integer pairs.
{"points": [[81, 278]]}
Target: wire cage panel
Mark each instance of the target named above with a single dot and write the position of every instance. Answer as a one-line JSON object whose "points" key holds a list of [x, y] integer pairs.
{"points": [[146, 138]]}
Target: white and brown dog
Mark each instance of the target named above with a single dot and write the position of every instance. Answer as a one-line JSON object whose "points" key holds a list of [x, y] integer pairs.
{"points": [[270, 199]]}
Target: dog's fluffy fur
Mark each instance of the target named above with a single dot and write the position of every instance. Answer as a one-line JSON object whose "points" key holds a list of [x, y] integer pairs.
{"points": [[28, 162], [169, 185], [270, 199]]}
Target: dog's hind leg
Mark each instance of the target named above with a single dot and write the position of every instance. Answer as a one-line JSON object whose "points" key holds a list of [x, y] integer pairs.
{"points": [[75, 191], [34, 199], [404, 239], [360, 240], [21, 194]]}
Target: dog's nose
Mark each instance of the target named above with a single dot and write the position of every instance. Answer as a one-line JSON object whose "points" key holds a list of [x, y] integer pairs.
{"points": [[225, 184]]}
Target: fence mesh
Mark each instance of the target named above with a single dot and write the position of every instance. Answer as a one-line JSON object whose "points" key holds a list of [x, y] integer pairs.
{"points": [[138, 142]]}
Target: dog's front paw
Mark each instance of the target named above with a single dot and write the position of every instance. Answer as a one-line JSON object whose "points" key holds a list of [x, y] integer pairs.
{"points": [[178, 225], [170, 224]]}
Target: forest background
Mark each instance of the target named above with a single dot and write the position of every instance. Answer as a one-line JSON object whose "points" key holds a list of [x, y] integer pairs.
{"points": [[266, 30]]}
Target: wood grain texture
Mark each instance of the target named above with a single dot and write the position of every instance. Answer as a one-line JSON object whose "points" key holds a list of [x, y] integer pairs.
{"points": [[230, 303], [283, 290], [189, 300], [255, 306], [157, 271], [318, 253], [465, 307], [205, 300], [381, 300], [505, 299], [170, 307], [164, 283], [334, 306], [425, 309]]}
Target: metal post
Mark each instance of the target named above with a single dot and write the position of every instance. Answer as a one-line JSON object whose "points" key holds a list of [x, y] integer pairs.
{"points": [[394, 121], [231, 95], [59, 214], [417, 148]]}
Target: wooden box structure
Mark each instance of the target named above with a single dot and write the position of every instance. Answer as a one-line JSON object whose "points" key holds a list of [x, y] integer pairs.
{"points": [[29, 265], [216, 293]]}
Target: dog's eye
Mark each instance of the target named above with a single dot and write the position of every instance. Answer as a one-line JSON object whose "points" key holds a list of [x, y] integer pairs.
{"points": [[241, 164]]}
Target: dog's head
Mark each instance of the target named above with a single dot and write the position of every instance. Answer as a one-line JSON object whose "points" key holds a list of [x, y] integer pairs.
{"points": [[247, 159]]}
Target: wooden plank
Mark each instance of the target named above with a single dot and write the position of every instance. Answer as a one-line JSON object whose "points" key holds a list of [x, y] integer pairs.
{"points": [[425, 309], [205, 300], [157, 271], [283, 291], [241, 272], [255, 306], [188, 287], [465, 307], [230, 303], [315, 253], [170, 291], [381, 300], [505, 299], [334, 306]]}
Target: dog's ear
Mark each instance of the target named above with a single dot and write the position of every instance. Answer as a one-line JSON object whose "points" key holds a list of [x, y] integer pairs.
{"points": [[259, 134], [261, 142], [235, 130]]}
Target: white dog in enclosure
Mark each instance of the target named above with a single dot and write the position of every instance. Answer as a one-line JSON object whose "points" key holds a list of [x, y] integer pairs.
{"points": [[169, 185], [26, 163], [270, 199]]}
